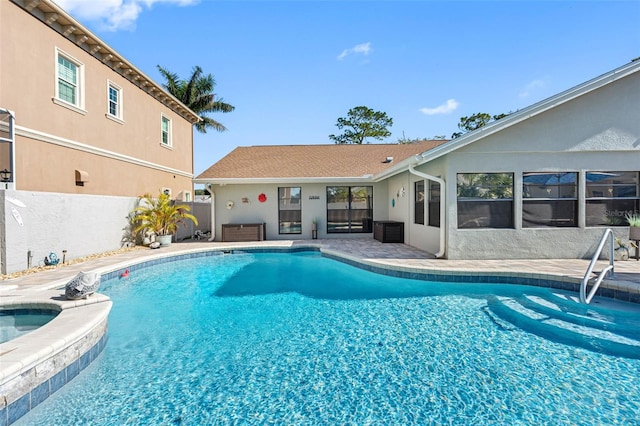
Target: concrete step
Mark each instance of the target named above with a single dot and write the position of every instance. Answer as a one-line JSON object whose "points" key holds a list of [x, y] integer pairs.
{"points": [[561, 319]]}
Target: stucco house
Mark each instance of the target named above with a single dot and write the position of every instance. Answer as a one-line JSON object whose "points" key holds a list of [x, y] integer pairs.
{"points": [[542, 182], [85, 120]]}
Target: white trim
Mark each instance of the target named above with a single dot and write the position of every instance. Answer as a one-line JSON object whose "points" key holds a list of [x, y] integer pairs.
{"points": [[119, 116], [513, 119], [67, 143], [78, 106], [66, 104], [294, 180], [112, 118], [531, 111], [88, 41], [169, 143]]}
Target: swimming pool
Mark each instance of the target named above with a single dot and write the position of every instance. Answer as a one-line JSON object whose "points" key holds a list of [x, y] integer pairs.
{"points": [[302, 339]]}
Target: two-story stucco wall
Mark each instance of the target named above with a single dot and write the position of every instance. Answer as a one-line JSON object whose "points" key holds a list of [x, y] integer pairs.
{"points": [[120, 156], [248, 209], [598, 131]]}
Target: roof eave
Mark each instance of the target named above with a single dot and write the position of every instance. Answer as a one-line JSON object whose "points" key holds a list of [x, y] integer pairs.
{"points": [[530, 111], [68, 27], [291, 180]]}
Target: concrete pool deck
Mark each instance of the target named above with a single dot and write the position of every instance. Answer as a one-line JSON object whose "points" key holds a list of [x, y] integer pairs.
{"points": [[369, 251], [34, 366]]}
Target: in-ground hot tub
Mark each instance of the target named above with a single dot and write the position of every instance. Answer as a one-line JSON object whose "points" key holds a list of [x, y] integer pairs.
{"points": [[17, 322]]}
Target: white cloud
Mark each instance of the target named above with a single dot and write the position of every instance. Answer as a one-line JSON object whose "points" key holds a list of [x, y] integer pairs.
{"points": [[530, 87], [113, 15], [362, 49], [446, 108]]}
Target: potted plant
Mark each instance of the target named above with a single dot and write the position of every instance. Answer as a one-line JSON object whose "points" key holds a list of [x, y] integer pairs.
{"points": [[634, 226], [161, 216]]}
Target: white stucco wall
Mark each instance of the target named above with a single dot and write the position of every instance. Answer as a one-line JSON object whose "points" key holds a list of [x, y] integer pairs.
{"points": [[52, 222], [314, 205], [599, 131], [426, 237]]}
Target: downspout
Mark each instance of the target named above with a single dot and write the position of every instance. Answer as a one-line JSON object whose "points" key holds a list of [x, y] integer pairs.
{"points": [[213, 215], [443, 217]]}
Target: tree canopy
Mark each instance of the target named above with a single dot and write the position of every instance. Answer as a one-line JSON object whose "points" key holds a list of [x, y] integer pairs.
{"points": [[362, 123], [405, 140], [197, 93], [474, 122]]}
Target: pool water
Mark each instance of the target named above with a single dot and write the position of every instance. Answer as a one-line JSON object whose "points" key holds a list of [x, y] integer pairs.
{"points": [[18, 322], [300, 339]]}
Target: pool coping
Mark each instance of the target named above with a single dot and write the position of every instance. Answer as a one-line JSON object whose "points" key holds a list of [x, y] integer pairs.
{"points": [[35, 365]]}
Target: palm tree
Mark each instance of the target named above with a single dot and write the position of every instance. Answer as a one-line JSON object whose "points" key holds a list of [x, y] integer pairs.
{"points": [[197, 94], [160, 215]]}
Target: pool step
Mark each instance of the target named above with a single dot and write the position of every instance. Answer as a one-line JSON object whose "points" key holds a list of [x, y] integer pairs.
{"points": [[559, 318]]}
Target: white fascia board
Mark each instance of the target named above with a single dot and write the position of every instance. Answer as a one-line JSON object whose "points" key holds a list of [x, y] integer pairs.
{"points": [[402, 166], [253, 181], [531, 111]]}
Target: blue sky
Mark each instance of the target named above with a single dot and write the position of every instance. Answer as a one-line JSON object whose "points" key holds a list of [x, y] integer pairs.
{"points": [[292, 68]]}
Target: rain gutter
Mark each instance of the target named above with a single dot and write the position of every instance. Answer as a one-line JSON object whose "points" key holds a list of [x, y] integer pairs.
{"points": [[213, 215], [443, 216]]}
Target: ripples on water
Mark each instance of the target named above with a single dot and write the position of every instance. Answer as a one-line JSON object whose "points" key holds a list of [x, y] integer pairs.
{"points": [[301, 339]]}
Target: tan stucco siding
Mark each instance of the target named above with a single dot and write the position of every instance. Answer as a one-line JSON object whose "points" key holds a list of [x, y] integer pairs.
{"points": [[28, 86], [105, 176]]}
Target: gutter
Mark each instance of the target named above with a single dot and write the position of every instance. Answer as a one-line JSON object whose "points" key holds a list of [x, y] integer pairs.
{"points": [[213, 216], [443, 217]]}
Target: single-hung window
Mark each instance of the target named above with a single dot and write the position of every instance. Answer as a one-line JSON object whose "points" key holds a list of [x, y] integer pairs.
{"points": [[166, 131], [114, 100], [69, 80]]}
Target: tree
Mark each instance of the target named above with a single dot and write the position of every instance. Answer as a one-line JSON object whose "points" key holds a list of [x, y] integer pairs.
{"points": [[361, 123], [474, 122], [197, 94], [405, 140]]}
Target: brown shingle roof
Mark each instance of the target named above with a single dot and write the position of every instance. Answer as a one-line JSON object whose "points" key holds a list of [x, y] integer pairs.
{"points": [[312, 161]]}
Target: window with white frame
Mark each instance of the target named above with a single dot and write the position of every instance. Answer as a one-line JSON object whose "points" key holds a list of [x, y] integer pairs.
{"points": [[549, 199], [69, 80], [114, 100], [166, 131]]}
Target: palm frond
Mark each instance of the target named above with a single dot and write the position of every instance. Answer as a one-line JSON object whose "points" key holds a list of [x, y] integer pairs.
{"points": [[198, 94]]}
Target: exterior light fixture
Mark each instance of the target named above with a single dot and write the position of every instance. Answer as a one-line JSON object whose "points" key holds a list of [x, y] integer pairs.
{"points": [[5, 175]]}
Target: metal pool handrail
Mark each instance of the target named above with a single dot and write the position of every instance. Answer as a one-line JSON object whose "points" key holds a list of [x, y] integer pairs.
{"points": [[584, 298]]}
